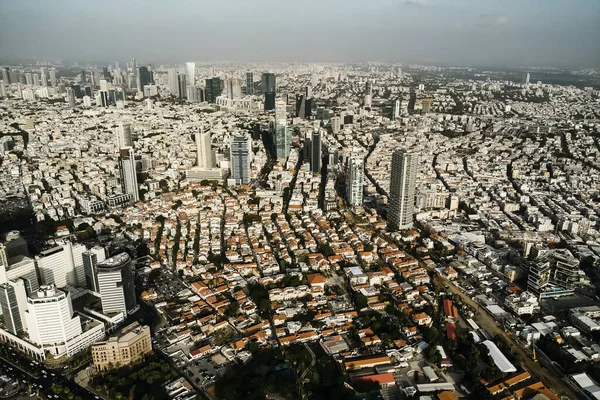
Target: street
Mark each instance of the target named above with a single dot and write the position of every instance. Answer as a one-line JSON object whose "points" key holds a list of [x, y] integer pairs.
{"points": [[485, 321]]}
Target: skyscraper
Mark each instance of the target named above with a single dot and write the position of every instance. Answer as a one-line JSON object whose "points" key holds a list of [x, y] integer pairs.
{"points": [[214, 88], [283, 136], [308, 102], [354, 184], [315, 153], [241, 159], [368, 93], [182, 86], [173, 83], [128, 173], [269, 88], [526, 78], [13, 301], [51, 321], [190, 73], [402, 189], [249, 83], [143, 77], [6, 75], [115, 282], [301, 106], [53, 77]]}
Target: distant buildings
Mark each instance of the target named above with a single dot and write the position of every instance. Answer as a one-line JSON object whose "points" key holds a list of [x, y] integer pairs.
{"points": [[131, 345], [402, 190]]}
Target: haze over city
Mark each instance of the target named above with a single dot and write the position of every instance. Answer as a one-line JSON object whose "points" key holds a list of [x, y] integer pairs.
{"points": [[457, 32]]}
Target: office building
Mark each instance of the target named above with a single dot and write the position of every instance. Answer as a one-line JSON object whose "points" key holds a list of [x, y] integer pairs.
{"points": [[115, 284], [526, 78], [181, 86], [190, 73], [301, 106], [50, 319], [204, 149], [269, 88], [131, 345], [14, 246], [2, 89], [315, 153], [55, 267], [214, 88], [249, 83], [354, 183], [129, 181], [241, 159], [402, 190], [308, 102], [13, 301]]}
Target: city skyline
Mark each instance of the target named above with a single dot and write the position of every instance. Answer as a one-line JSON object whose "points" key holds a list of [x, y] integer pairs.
{"points": [[412, 31]]}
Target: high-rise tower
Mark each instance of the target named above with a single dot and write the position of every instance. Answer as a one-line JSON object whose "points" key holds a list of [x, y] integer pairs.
{"points": [[402, 189], [115, 283], [241, 159], [354, 184], [204, 149], [283, 139]]}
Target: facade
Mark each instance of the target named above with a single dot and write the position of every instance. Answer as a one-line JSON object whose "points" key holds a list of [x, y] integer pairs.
{"points": [[182, 86], [173, 83], [354, 184], [71, 97], [115, 284], [131, 345], [402, 190], [55, 267], [283, 136], [241, 159]]}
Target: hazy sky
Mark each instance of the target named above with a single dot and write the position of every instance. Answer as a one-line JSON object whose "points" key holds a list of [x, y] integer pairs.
{"points": [[463, 32]]}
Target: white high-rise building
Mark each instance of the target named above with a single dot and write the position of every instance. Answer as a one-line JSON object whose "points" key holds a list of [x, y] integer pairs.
{"points": [[173, 83], [354, 184], [190, 73], [336, 124], [91, 259], [116, 286], [55, 266], [283, 136], [50, 319], [128, 173], [241, 159], [204, 149], [71, 96], [396, 109], [402, 190]]}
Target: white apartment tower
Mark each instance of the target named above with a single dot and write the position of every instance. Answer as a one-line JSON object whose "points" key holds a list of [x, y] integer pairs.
{"points": [[354, 184], [402, 189], [204, 148]]}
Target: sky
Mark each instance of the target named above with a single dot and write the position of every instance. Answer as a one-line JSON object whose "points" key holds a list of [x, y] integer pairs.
{"points": [[509, 33]]}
